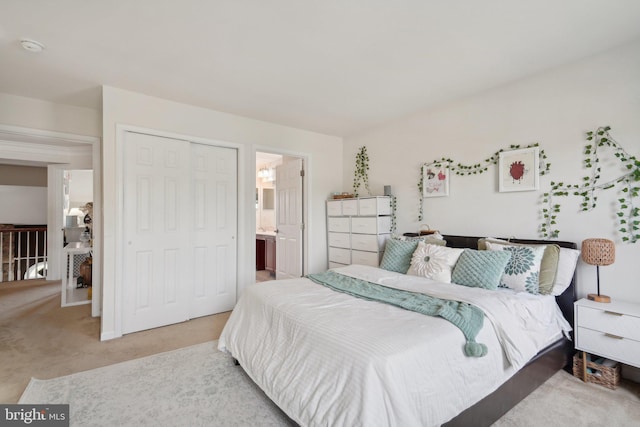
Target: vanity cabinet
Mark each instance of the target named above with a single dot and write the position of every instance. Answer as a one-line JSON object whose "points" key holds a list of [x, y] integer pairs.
{"points": [[270, 254], [266, 252], [357, 230]]}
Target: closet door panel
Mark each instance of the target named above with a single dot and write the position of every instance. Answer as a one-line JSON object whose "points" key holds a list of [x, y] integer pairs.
{"points": [[156, 232], [214, 184]]}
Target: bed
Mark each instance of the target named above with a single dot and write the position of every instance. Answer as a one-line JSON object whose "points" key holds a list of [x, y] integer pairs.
{"points": [[328, 358]]}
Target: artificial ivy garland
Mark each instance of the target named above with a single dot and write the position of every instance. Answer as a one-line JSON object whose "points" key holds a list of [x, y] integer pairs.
{"points": [[478, 168], [628, 213], [361, 172], [393, 213]]}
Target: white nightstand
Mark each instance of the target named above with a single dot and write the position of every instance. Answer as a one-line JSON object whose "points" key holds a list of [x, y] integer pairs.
{"points": [[611, 330]]}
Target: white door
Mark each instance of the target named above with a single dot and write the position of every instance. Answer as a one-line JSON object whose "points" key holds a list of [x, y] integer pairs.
{"points": [[179, 228], [214, 215], [156, 232], [289, 221]]}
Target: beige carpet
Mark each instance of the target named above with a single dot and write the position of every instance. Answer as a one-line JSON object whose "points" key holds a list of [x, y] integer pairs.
{"points": [[40, 339], [564, 400]]}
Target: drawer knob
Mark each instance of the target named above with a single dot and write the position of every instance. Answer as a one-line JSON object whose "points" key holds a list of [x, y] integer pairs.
{"points": [[613, 313], [613, 336]]}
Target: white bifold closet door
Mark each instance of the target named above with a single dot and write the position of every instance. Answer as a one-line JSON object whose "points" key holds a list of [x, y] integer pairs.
{"points": [[179, 225]]}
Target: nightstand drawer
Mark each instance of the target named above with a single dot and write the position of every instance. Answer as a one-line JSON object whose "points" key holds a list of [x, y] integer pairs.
{"points": [[613, 346], [609, 321]]}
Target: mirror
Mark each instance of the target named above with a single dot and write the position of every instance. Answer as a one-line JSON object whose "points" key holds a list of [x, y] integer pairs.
{"points": [[268, 198], [257, 200]]}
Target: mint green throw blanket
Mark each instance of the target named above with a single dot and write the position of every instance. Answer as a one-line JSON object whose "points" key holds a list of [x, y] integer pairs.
{"points": [[466, 317]]}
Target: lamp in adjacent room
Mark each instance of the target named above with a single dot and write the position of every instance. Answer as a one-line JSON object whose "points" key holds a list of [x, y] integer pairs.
{"points": [[598, 252]]}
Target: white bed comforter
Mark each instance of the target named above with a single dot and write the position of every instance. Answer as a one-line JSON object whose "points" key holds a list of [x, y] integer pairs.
{"points": [[330, 359]]}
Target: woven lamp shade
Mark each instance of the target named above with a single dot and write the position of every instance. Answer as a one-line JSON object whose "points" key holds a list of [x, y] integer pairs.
{"points": [[598, 251]]}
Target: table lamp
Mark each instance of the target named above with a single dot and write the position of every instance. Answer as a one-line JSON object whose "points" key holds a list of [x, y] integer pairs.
{"points": [[598, 252]]}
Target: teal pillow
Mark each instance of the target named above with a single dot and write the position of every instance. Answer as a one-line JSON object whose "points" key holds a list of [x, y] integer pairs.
{"points": [[397, 255], [480, 269]]}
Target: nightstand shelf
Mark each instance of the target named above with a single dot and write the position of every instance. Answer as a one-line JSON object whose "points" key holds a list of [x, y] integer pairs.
{"points": [[610, 330]]}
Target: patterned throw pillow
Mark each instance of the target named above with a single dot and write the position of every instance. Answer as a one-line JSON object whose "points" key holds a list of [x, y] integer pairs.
{"points": [[434, 261], [397, 255], [548, 265], [522, 273], [480, 269]]}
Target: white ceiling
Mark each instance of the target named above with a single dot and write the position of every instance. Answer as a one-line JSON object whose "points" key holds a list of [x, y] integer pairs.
{"points": [[332, 66]]}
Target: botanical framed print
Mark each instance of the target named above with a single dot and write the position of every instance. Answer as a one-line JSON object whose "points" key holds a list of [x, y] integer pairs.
{"points": [[435, 181], [518, 170]]}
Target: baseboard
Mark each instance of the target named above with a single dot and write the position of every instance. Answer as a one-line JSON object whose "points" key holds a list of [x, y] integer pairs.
{"points": [[109, 335]]}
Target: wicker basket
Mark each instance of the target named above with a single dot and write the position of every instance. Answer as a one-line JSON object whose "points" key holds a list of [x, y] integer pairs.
{"points": [[603, 375]]}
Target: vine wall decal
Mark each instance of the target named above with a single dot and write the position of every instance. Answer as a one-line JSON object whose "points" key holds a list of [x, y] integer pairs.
{"points": [[628, 213]]}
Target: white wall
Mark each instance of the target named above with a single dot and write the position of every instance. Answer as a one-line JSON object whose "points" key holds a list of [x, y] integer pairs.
{"points": [[23, 205], [38, 114], [554, 108], [323, 152], [80, 187]]}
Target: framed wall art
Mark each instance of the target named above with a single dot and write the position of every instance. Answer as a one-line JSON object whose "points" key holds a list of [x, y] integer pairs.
{"points": [[518, 170], [435, 181]]}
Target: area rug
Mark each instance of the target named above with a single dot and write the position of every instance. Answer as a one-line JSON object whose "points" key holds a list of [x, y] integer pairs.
{"points": [[192, 386], [200, 386]]}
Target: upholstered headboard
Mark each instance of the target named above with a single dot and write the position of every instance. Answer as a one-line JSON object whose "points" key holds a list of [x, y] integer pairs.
{"points": [[568, 297]]}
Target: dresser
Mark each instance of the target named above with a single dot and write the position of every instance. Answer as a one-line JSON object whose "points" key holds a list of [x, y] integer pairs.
{"points": [[357, 230], [611, 330]]}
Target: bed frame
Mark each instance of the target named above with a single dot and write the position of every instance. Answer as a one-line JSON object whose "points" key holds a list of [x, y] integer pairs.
{"points": [[539, 369]]}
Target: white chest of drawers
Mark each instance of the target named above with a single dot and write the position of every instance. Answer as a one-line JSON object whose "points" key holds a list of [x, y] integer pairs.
{"points": [[611, 330], [357, 230]]}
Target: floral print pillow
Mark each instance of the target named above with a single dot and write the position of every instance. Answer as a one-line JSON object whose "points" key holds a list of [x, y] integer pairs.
{"points": [[434, 261], [522, 272]]}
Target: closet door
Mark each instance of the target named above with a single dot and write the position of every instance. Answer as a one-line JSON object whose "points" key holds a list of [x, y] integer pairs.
{"points": [[179, 231], [214, 218], [156, 247]]}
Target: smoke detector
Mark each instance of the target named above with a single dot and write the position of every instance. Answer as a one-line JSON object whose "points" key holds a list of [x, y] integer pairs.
{"points": [[32, 45]]}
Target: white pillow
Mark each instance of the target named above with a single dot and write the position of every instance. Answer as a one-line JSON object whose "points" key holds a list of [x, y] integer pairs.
{"points": [[522, 272], [566, 267], [434, 261]]}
